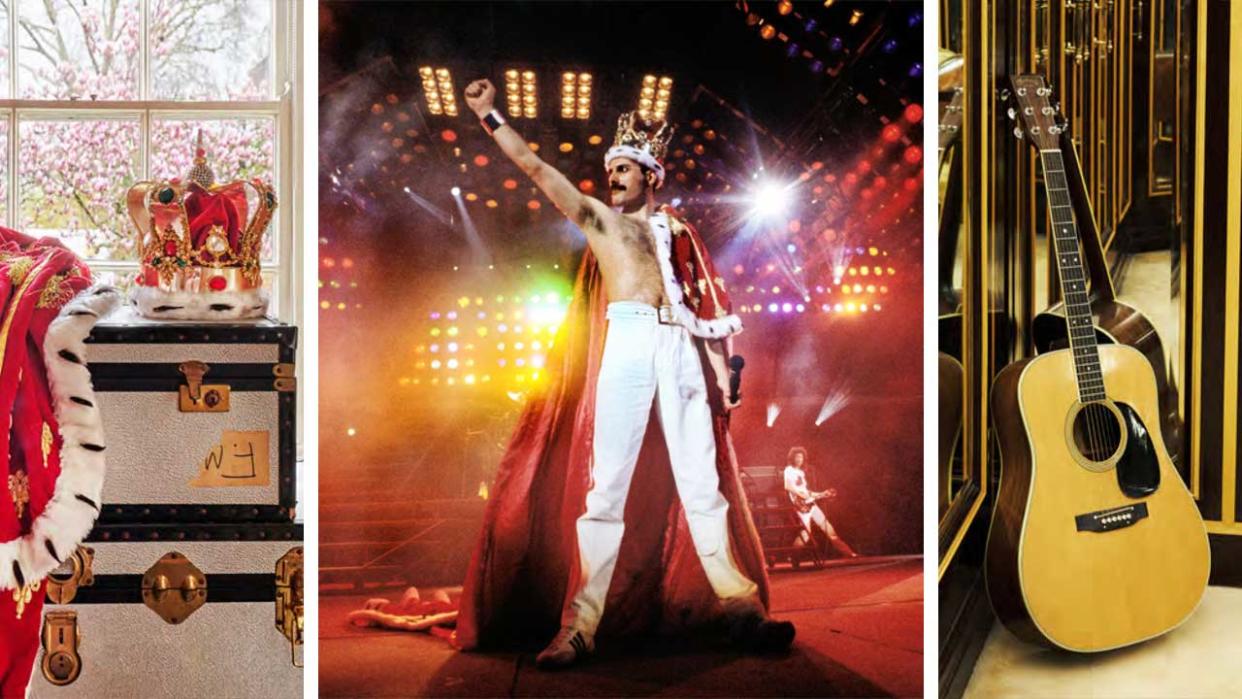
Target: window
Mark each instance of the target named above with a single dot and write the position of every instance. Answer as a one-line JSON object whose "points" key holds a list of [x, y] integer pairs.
{"points": [[96, 95]]}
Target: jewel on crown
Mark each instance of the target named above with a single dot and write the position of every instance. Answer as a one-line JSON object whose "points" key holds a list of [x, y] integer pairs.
{"points": [[200, 244], [650, 137]]}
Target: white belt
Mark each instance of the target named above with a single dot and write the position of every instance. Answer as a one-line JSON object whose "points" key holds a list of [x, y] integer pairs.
{"points": [[637, 309]]}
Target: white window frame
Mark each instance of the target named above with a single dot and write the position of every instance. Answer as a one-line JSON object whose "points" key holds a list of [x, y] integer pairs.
{"points": [[285, 108]]}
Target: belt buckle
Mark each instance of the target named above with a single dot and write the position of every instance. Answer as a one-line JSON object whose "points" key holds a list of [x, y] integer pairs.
{"points": [[665, 315]]}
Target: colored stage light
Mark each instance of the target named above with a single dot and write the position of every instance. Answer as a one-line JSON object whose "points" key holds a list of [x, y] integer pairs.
{"points": [[772, 308], [771, 200], [787, 307], [455, 191], [913, 114]]}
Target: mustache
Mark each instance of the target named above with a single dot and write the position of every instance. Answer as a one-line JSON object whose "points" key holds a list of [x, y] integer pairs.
{"points": [[617, 187]]}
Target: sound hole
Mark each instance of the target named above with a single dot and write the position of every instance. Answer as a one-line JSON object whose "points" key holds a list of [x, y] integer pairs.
{"points": [[1097, 432]]}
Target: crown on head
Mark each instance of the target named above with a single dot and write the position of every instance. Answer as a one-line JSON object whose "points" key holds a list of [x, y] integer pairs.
{"points": [[200, 237], [641, 140]]}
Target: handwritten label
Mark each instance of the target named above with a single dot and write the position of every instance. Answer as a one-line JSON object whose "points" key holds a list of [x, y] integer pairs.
{"points": [[239, 459]]}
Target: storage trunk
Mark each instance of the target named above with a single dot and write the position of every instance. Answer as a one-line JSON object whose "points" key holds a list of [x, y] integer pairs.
{"points": [[195, 566]]}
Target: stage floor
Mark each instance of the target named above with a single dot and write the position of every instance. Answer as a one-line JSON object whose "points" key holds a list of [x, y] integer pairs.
{"points": [[860, 633]]}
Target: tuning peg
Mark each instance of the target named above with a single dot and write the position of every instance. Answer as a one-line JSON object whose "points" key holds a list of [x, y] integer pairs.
{"points": [[1011, 113], [1017, 133], [1054, 130]]}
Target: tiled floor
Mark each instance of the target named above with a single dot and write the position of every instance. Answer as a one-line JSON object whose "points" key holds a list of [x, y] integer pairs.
{"points": [[1202, 659]]}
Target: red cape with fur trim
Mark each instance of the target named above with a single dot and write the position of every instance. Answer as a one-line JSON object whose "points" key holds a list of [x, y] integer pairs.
{"points": [[527, 551], [37, 277]]}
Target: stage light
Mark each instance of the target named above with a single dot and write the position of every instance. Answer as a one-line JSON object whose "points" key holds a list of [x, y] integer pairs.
{"points": [[913, 155], [784, 7], [575, 95], [773, 411], [654, 96], [891, 133], [787, 307], [520, 97], [835, 44], [913, 114], [452, 346], [855, 17], [772, 308], [452, 332], [916, 70], [767, 32], [791, 247], [771, 200], [889, 46], [455, 191], [435, 348], [800, 308], [435, 364], [469, 379], [351, 432], [509, 184]]}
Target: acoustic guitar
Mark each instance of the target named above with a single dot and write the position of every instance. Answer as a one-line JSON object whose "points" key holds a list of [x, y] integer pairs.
{"points": [[1095, 542]]}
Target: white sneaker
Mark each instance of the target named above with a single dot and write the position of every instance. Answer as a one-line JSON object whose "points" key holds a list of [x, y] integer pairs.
{"points": [[569, 646]]}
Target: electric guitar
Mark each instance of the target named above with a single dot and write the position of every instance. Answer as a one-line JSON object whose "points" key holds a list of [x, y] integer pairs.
{"points": [[804, 504], [1095, 542]]}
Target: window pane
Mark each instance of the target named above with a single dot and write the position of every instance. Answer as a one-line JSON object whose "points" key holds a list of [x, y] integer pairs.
{"points": [[4, 166], [78, 49], [5, 52], [236, 149], [72, 179], [211, 49]]}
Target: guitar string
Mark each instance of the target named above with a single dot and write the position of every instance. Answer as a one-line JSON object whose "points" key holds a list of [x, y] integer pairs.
{"points": [[1096, 426]]}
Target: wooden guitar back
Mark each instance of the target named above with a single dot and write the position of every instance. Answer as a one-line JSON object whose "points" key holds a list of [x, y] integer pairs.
{"points": [[1083, 590]]}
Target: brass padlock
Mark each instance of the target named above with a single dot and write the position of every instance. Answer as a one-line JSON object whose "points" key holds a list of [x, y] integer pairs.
{"points": [[62, 587], [289, 600], [198, 397], [61, 662], [174, 588]]}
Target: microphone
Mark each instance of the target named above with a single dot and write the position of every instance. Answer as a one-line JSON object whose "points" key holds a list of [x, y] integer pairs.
{"points": [[735, 376]]}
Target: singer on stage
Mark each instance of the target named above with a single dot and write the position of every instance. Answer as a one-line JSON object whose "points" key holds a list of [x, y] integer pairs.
{"points": [[576, 450]]}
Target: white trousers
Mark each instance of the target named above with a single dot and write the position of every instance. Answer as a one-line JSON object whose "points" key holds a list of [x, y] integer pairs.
{"points": [[815, 516], [645, 359]]}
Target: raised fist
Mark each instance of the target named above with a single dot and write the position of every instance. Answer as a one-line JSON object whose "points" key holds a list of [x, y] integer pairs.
{"points": [[480, 95]]}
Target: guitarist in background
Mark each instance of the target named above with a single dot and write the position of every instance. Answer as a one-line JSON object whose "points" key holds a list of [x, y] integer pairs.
{"points": [[808, 511]]}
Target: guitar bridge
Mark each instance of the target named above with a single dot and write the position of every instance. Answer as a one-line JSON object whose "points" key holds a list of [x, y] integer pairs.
{"points": [[1108, 520]]}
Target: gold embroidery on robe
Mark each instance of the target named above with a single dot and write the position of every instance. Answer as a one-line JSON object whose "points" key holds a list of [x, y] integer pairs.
{"points": [[19, 489]]}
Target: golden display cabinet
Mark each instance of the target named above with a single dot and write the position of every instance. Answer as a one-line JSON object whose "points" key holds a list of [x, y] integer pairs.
{"points": [[1145, 87]]}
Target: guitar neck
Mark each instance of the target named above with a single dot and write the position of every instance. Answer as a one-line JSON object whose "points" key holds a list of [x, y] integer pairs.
{"points": [[1073, 276]]}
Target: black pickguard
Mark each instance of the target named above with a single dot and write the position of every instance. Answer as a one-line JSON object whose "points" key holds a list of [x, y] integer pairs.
{"points": [[1138, 471]]}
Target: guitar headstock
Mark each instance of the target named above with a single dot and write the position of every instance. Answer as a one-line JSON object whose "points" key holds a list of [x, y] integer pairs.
{"points": [[1039, 120]]}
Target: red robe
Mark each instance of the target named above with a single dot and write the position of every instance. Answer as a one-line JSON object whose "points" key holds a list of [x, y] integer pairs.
{"points": [[527, 550], [37, 277]]}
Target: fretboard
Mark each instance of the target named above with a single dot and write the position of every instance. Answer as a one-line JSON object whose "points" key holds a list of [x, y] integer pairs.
{"points": [[1073, 275]]}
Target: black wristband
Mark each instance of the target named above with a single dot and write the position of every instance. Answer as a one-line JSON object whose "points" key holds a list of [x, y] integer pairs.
{"points": [[492, 121]]}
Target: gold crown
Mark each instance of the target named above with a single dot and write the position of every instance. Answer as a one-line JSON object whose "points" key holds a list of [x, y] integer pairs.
{"points": [[652, 137], [200, 237]]}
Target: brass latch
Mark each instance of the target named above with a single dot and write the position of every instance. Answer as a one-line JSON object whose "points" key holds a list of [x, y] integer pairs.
{"points": [[61, 663], [174, 588], [289, 600], [75, 572], [285, 381], [197, 397]]}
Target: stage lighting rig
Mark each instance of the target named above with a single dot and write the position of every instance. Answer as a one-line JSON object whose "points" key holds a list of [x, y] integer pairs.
{"points": [[438, 90]]}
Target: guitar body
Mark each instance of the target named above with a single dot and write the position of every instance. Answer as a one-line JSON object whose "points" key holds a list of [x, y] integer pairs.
{"points": [[1117, 323], [1089, 555]]}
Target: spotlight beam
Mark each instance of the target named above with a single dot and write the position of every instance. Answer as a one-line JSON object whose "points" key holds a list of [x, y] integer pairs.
{"points": [[479, 252]]}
